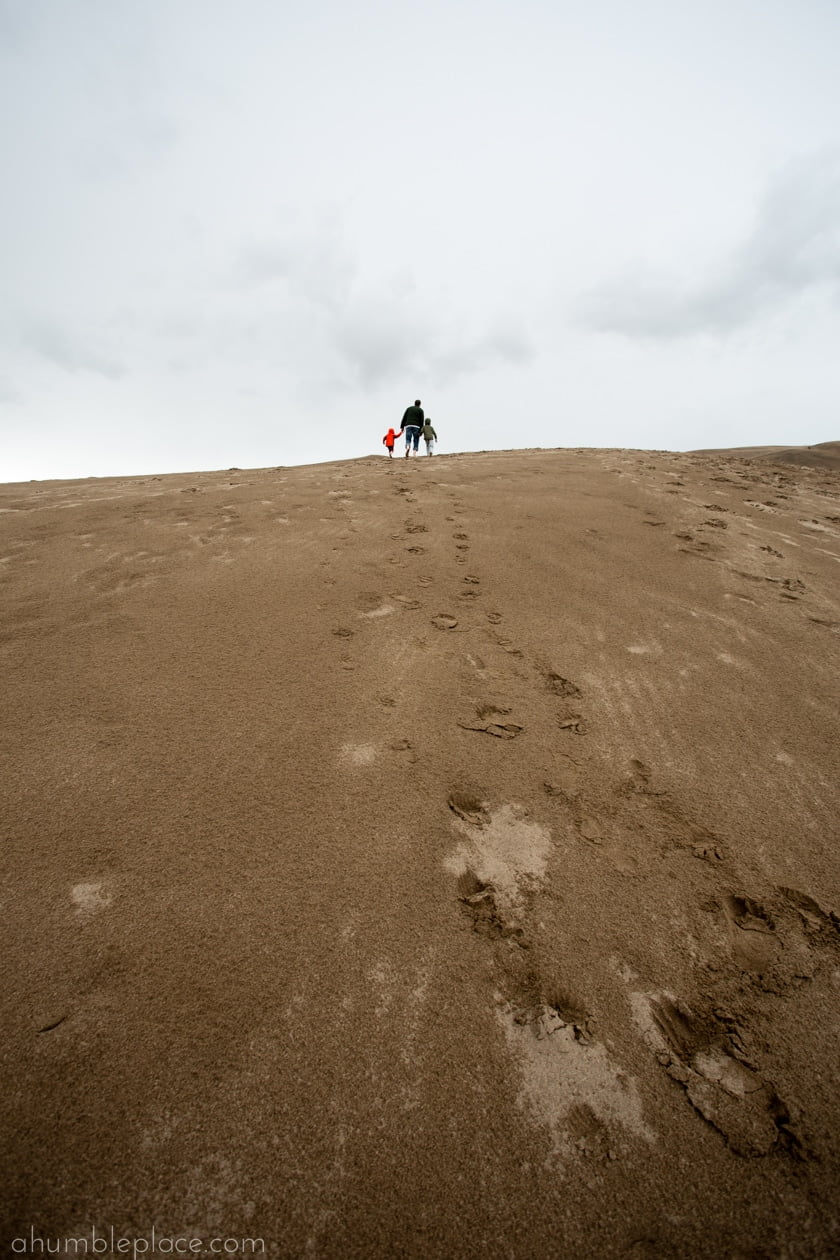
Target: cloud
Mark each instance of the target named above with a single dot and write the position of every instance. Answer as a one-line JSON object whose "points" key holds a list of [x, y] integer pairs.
{"points": [[377, 342], [314, 266], [384, 339], [371, 329], [66, 349], [794, 248], [502, 343]]}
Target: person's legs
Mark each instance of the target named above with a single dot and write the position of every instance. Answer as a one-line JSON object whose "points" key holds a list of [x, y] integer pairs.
{"points": [[416, 441], [411, 434]]}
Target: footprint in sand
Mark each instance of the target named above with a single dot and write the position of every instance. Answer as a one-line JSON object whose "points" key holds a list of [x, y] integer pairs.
{"points": [[574, 723], [559, 685], [816, 920], [639, 777], [704, 1052], [473, 581], [416, 551], [487, 721], [444, 621], [752, 933], [469, 806], [700, 548], [373, 606]]}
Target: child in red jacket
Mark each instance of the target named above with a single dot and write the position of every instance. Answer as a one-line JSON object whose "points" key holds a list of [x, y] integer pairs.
{"points": [[389, 440]]}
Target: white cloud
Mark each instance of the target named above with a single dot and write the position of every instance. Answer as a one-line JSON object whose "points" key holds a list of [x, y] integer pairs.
{"points": [[794, 248], [67, 349]]}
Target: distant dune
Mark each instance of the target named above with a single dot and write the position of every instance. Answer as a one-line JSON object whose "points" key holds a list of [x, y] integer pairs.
{"points": [[433, 858], [823, 455]]}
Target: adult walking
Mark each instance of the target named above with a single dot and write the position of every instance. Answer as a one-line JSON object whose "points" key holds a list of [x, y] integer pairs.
{"points": [[429, 436], [412, 422]]}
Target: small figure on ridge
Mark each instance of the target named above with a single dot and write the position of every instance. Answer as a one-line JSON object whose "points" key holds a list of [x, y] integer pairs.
{"points": [[389, 440], [429, 436]]}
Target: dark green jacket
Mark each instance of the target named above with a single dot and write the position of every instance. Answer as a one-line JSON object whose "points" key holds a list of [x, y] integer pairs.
{"points": [[428, 433], [413, 416]]}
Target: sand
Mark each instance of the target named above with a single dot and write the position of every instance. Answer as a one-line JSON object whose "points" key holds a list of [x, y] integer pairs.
{"points": [[433, 858]]}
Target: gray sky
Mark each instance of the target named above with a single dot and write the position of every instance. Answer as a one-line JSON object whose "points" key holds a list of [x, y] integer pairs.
{"points": [[250, 232]]}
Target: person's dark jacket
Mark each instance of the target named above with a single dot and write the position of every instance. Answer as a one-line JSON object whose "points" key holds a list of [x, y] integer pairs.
{"points": [[413, 416]]}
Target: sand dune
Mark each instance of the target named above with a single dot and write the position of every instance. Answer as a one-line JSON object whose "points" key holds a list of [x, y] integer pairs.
{"points": [[426, 859], [823, 455]]}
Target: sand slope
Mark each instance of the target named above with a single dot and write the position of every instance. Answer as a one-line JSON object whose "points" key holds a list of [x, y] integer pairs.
{"points": [[428, 859]]}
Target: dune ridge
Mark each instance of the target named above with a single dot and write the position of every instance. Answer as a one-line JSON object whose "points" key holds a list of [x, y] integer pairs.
{"points": [[427, 858]]}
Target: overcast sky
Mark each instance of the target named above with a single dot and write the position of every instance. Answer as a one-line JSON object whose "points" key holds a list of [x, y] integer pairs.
{"points": [[251, 232]]}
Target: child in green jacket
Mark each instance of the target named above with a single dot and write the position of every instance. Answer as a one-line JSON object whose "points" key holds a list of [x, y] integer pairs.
{"points": [[429, 436]]}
